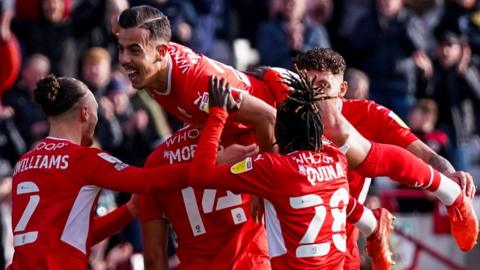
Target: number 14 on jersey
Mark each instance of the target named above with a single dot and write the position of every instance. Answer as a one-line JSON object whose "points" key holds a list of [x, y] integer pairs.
{"points": [[208, 202]]}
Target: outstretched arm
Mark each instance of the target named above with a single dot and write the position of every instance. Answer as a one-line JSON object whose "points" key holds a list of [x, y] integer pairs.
{"points": [[441, 164], [111, 173]]}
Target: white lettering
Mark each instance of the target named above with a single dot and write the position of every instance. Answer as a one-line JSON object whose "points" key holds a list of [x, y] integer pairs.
{"points": [[64, 162], [55, 161], [44, 164], [323, 173]]}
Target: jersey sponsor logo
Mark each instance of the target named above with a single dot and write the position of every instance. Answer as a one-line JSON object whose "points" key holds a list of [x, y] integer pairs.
{"points": [[202, 102], [119, 165], [41, 162], [312, 158], [185, 153], [50, 146], [322, 173], [242, 166], [180, 154]]}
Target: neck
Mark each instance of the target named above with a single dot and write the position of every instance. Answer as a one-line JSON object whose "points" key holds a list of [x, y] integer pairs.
{"points": [[71, 132], [160, 80]]}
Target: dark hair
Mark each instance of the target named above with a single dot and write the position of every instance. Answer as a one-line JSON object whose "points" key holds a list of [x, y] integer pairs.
{"points": [[58, 95], [427, 106], [298, 125], [321, 59], [149, 18]]}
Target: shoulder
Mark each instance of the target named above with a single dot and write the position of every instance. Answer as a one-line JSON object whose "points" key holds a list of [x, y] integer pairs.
{"points": [[359, 107]]}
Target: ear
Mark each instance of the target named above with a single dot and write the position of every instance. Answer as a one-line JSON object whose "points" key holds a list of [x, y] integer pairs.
{"points": [[162, 50], [84, 113], [343, 89]]}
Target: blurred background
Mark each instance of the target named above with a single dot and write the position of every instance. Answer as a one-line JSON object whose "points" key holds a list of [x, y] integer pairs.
{"points": [[419, 58]]}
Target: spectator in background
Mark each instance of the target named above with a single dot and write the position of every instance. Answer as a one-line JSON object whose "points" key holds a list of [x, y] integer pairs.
{"points": [[422, 119], [97, 75], [318, 14], [101, 35], [96, 70], [29, 118], [461, 17], [158, 123], [138, 139], [11, 147], [287, 34], [358, 84], [389, 43], [53, 34], [457, 93]]}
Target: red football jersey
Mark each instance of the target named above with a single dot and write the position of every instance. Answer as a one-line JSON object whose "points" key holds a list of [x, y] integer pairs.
{"points": [[306, 195], [187, 92], [379, 124], [55, 189], [213, 227]]}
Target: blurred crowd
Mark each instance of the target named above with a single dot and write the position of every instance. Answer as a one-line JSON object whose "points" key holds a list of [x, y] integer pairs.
{"points": [[420, 58]]}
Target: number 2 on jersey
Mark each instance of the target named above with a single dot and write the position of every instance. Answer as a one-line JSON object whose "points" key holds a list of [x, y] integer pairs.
{"points": [[208, 201], [26, 237], [308, 247]]}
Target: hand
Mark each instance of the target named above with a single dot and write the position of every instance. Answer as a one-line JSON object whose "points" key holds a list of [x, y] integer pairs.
{"points": [[140, 120], [465, 180], [236, 152], [422, 61], [465, 59], [220, 96], [119, 254], [107, 108], [6, 112], [257, 209], [132, 205]]}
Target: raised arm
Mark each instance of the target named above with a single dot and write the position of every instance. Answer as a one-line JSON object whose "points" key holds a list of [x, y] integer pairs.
{"points": [[250, 175]]}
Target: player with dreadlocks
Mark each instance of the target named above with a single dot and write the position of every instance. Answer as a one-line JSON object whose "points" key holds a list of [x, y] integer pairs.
{"points": [[378, 124], [306, 183], [307, 179]]}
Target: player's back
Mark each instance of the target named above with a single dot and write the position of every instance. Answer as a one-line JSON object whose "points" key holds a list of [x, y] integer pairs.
{"points": [[186, 96], [305, 212], [213, 227], [51, 207]]}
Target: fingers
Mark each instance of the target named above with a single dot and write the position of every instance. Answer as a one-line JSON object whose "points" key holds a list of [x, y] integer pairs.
{"points": [[470, 186], [466, 183], [251, 150]]}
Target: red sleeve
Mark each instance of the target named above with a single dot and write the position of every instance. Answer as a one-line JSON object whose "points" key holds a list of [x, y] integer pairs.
{"points": [[377, 123], [248, 176], [106, 226], [400, 165], [109, 172]]}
